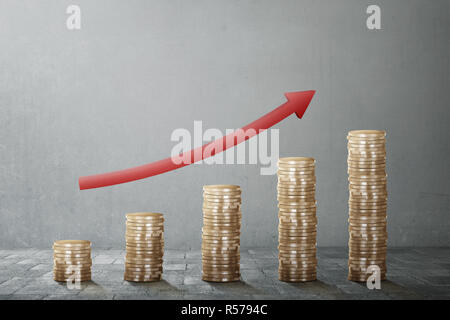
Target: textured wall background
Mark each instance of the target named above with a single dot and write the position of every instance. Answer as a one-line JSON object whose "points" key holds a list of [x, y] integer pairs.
{"points": [[109, 96]]}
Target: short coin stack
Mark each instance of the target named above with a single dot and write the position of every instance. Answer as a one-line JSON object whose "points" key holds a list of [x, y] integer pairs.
{"points": [[297, 219], [367, 203], [72, 260], [221, 233], [144, 246]]}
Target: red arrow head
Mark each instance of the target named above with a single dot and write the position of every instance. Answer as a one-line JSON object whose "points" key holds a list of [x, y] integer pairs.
{"points": [[300, 100]]}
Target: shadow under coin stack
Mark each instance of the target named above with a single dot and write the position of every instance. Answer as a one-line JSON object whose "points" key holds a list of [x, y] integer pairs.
{"points": [[72, 260], [221, 233], [367, 203], [144, 246], [297, 219]]}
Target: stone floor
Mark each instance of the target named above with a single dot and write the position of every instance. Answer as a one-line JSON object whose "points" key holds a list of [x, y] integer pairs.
{"points": [[420, 273]]}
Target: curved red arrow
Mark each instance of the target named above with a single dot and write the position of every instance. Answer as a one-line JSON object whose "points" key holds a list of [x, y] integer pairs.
{"points": [[297, 102]]}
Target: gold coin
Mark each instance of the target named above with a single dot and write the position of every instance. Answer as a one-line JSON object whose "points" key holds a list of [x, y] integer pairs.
{"points": [[364, 220], [235, 195], [221, 231], [297, 205], [69, 271], [363, 269], [232, 253], [144, 216], [236, 192], [366, 251], [235, 216], [151, 228], [288, 254], [298, 232], [222, 222], [72, 244], [220, 259], [298, 262], [371, 164], [353, 206], [367, 142], [74, 276], [285, 216], [356, 241], [220, 279], [370, 134], [282, 209], [220, 241], [297, 272], [144, 228], [74, 257], [289, 199], [215, 207], [362, 235], [367, 190], [145, 247], [137, 270], [374, 148], [296, 160], [308, 171], [144, 264], [144, 254], [221, 188], [232, 267], [64, 279], [310, 178], [304, 195], [212, 225], [144, 239], [149, 259], [366, 166], [366, 262], [144, 233], [134, 248], [364, 171], [368, 225], [71, 250], [287, 240], [222, 237], [62, 262], [310, 243], [220, 269], [231, 248], [368, 212], [296, 185], [297, 248], [142, 279], [368, 198], [307, 255]]}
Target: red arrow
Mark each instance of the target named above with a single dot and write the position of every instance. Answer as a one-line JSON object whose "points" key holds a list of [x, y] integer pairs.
{"points": [[297, 102]]}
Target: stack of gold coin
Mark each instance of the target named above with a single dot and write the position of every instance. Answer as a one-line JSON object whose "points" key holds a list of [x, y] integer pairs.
{"points": [[72, 260], [367, 203], [297, 219], [221, 233], [144, 247]]}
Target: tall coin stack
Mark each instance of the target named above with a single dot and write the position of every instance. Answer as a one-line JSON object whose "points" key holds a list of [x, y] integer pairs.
{"points": [[367, 203], [297, 219], [72, 260], [144, 246], [221, 233]]}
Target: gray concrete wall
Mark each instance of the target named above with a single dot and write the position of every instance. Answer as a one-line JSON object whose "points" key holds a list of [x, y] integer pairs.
{"points": [[108, 97]]}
